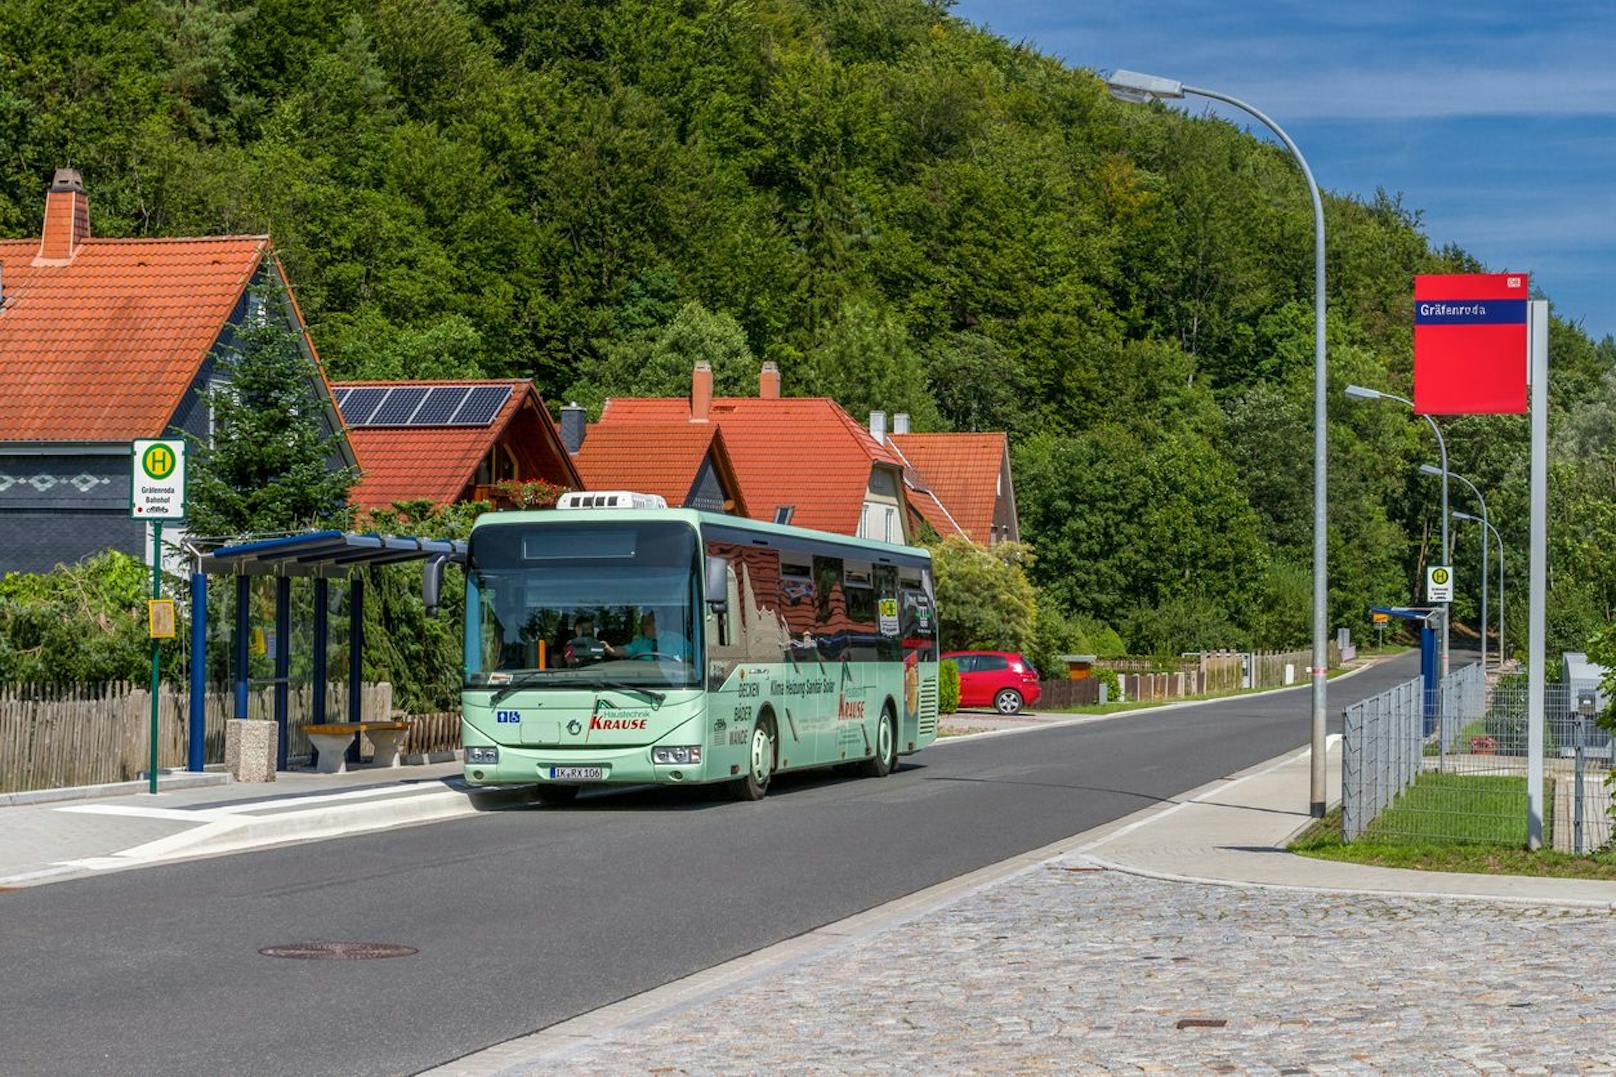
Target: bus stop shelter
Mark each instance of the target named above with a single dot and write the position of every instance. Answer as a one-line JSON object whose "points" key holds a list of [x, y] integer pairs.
{"points": [[1429, 618], [321, 556]]}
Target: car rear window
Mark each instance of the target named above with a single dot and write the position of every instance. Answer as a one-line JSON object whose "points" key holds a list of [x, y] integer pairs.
{"points": [[985, 662]]}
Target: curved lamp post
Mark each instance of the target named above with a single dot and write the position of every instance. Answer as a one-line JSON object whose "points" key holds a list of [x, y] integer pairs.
{"points": [[1359, 392], [1487, 525], [1139, 88]]}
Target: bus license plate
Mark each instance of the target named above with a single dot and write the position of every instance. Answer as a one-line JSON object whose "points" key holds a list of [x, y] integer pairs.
{"points": [[577, 774]]}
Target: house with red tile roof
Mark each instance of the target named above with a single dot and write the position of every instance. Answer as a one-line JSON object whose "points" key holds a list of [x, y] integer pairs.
{"points": [[450, 441], [798, 460], [686, 463], [966, 477], [103, 341]]}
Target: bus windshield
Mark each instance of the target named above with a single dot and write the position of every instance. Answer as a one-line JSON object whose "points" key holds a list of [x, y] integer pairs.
{"points": [[565, 604]]}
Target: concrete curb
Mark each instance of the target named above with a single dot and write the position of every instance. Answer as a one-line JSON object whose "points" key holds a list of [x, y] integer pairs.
{"points": [[165, 783]]}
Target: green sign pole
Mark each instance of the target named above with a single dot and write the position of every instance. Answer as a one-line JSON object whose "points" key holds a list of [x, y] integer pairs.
{"points": [[156, 592]]}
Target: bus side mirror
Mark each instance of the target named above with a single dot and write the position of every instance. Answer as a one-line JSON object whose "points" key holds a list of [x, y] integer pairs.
{"points": [[432, 583], [717, 584]]}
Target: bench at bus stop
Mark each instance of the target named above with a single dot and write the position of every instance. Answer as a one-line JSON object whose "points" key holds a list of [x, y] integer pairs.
{"points": [[331, 741]]}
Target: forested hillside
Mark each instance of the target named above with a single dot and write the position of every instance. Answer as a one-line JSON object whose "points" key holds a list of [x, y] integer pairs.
{"points": [[903, 211]]}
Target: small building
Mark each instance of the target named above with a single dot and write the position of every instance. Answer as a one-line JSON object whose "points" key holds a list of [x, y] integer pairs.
{"points": [[797, 460], [103, 341], [450, 441], [685, 463]]}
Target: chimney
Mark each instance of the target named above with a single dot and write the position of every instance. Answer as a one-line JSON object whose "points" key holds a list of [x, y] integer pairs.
{"points": [[67, 219], [701, 392], [878, 426], [900, 423], [574, 424], [769, 381]]}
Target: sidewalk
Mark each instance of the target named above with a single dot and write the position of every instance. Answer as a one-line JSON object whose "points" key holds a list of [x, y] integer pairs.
{"points": [[64, 839], [1183, 936]]}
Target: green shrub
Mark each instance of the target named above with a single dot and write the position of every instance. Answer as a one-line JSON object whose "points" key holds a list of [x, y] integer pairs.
{"points": [[948, 688]]}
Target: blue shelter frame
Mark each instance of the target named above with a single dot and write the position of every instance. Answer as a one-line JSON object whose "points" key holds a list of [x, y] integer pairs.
{"points": [[1430, 622], [321, 556]]}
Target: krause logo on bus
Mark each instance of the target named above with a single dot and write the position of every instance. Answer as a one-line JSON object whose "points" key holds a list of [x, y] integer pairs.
{"points": [[1470, 343], [157, 479]]}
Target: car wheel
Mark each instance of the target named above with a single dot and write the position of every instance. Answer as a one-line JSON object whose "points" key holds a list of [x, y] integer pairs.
{"points": [[754, 784], [885, 760], [556, 794], [1008, 701]]}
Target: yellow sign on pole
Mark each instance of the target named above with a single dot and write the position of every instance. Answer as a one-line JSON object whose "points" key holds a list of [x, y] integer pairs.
{"points": [[1382, 618], [160, 618]]}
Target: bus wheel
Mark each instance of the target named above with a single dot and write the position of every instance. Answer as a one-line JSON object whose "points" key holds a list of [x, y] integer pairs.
{"points": [[886, 747], [555, 794], [759, 763]]}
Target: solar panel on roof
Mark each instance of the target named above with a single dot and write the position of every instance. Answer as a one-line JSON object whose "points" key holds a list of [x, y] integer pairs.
{"points": [[339, 395], [401, 402], [361, 403], [482, 404], [440, 405]]}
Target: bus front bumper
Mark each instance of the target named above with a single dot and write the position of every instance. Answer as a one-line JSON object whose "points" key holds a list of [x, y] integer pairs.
{"points": [[609, 766]]}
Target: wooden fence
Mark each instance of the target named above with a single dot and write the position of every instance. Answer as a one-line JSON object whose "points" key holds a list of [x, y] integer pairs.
{"points": [[61, 735], [1210, 673]]}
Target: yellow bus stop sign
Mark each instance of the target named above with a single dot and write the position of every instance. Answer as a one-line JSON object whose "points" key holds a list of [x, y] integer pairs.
{"points": [[160, 618]]}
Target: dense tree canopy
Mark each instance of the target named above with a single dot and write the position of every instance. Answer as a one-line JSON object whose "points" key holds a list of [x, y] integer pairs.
{"points": [[902, 210]]}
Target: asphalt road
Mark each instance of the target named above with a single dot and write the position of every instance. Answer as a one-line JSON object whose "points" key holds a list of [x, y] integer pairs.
{"points": [[526, 917]]}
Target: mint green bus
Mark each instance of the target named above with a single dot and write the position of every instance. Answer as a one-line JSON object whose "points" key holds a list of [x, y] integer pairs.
{"points": [[669, 646]]}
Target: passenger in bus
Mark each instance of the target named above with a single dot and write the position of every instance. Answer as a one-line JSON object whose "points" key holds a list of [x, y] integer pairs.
{"points": [[584, 647]]}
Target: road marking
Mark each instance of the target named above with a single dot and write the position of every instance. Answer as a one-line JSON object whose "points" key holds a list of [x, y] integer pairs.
{"points": [[137, 812]]}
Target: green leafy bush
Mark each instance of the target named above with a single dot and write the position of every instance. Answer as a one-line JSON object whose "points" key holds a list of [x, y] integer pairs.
{"points": [[948, 688], [83, 623]]}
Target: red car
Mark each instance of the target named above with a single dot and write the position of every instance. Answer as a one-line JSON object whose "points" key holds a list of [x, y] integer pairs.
{"points": [[1003, 680]]}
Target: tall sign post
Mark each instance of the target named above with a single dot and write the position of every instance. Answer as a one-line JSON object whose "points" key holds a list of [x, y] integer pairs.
{"points": [[1538, 571], [1479, 341], [1469, 358], [157, 493]]}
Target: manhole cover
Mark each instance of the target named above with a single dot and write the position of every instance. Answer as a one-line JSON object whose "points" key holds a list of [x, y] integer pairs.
{"points": [[338, 951]]}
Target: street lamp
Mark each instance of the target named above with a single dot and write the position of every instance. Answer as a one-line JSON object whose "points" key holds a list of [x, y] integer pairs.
{"points": [[1359, 392], [1139, 88], [1486, 526], [1486, 521]]}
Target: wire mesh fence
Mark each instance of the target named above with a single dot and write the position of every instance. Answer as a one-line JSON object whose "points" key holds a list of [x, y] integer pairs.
{"points": [[1450, 765]]}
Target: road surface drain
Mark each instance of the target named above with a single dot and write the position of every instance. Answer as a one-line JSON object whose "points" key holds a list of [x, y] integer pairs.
{"points": [[1201, 1022], [338, 951]]}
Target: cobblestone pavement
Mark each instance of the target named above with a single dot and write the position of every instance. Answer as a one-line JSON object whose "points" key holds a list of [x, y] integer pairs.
{"points": [[1069, 969]]}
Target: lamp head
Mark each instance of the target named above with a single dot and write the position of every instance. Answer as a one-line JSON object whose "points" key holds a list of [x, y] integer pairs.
{"points": [[1430, 469], [1359, 392], [1457, 515], [1137, 88]]}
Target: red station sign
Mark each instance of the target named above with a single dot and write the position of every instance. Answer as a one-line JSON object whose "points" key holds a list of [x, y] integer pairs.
{"points": [[1470, 343]]}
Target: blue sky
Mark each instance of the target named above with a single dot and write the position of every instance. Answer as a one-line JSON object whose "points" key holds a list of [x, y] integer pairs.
{"points": [[1496, 120]]}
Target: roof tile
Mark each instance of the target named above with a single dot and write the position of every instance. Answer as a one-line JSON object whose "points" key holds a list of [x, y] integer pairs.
{"points": [[962, 470], [104, 347], [785, 451]]}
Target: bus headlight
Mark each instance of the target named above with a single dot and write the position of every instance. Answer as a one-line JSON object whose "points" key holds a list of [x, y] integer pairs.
{"points": [[488, 755], [685, 755]]}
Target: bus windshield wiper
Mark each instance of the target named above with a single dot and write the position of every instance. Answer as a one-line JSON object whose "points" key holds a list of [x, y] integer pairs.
{"points": [[621, 686], [516, 684]]}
